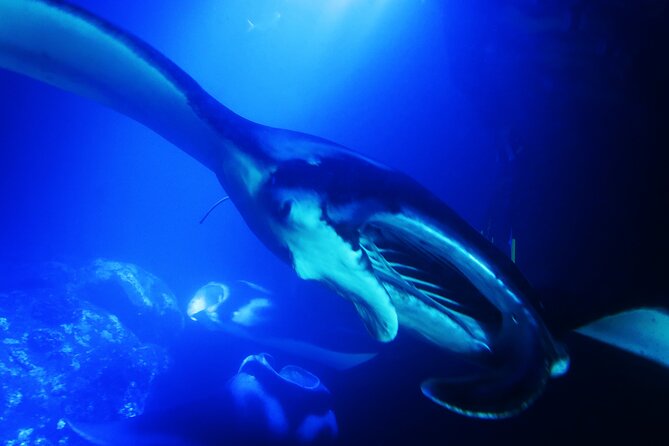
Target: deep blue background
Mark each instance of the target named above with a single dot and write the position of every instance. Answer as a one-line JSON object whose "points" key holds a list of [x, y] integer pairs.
{"points": [[544, 119]]}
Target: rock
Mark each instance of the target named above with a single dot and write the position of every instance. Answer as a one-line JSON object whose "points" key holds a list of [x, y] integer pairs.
{"points": [[141, 300], [62, 356], [31, 276]]}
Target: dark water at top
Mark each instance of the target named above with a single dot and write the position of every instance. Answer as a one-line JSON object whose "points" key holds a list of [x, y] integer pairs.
{"points": [[543, 121]]}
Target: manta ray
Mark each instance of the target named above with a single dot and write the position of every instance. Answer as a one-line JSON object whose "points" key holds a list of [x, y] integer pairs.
{"points": [[248, 311], [378, 238]]}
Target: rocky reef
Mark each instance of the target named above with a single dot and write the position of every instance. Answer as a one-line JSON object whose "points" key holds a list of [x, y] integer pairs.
{"points": [[82, 344]]}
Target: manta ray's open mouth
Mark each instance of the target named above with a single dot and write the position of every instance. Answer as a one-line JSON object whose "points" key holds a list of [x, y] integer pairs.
{"points": [[402, 261]]}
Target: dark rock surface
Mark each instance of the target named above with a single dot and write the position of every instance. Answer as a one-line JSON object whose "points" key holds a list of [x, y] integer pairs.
{"points": [[68, 348], [142, 301]]}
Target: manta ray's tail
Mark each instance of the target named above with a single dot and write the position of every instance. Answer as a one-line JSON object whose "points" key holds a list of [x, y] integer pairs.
{"points": [[641, 331], [67, 47]]}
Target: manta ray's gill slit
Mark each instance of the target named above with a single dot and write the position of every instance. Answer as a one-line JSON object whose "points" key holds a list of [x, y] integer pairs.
{"points": [[422, 284], [441, 298], [463, 253], [402, 266], [389, 251]]}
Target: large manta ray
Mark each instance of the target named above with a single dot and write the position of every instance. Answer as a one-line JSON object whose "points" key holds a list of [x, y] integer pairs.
{"points": [[374, 235]]}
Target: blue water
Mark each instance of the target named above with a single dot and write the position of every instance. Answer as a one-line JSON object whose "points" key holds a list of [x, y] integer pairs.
{"points": [[539, 121]]}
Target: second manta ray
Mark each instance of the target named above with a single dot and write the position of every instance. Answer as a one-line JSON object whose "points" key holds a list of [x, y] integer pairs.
{"points": [[372, 234]]}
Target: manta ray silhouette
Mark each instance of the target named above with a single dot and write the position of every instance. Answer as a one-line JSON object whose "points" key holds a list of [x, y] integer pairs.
{"points": [[248, 311], [260, 405], [374, 235]]}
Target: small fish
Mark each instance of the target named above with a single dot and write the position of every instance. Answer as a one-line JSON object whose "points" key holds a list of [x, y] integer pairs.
{"points": [[263, 21]]}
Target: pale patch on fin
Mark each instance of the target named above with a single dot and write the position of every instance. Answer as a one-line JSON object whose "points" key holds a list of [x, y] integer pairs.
{"points": [[643, 332], [252, 313]]}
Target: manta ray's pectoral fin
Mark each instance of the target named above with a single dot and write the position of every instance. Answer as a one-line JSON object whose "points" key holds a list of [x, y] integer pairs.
{"points": [[640, 331]]}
